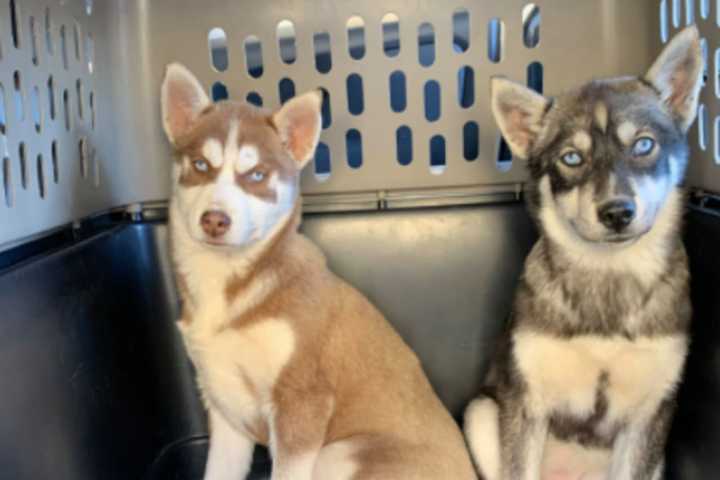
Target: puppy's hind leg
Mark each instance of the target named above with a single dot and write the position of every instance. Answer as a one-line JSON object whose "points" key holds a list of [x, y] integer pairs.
{"points": [[230, 452], [483, 436]]}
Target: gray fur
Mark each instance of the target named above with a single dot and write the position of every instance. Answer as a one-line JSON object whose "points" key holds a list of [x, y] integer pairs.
{"points": [[592, 302], [561, 295]]}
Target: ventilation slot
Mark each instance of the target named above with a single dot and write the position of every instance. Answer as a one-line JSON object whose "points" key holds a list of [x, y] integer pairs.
{"points": [[7, 182], [63, 47], [531, 25], [286, 89], [55, 162], [391, 34], [217, 44], [437, 155], [403, 145], [76, 40], [704, 53], [48, 32], [353, 147], [716, 140], [19, 101], [461, 30], [356, 102], [535, 76], [15, 23], [689, 12], [91, 101], [51, 97], [426, 45], [41, 176], [96, 169], [83, 152], [504, 156], [33, 41], [398, 97], [254, 98], [432, 100], [323, 57], [66, 110], [79, 93], [702, 127], [325, 109], [22, 156], [219, 92], [253, 56], [717, 73], [89, 52], [471, 136], [495, 40], [322, 162], [88, 7], [466, 87], [664, 27], [286, 41], [356, 37], [36, 109], [3, 113], [676, 13]]}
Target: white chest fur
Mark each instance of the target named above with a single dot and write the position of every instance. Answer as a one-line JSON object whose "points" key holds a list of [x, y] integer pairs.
{"points": [[237, 368], [563, 375]]}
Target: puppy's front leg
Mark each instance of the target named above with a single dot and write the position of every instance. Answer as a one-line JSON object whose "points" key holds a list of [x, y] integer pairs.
{"points": [[638, 452], [523, 436], [230, 453], [297, 434]]}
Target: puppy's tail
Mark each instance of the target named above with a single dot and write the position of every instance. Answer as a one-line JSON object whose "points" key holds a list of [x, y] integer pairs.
{"points": [[482, 432]]}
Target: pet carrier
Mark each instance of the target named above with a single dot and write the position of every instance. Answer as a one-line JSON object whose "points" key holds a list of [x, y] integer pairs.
{"points": [[412, 195]]}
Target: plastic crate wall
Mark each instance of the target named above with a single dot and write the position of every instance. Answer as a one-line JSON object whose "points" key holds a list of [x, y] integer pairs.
{"points": [[109, 149], [704, 137], [53, 151]]}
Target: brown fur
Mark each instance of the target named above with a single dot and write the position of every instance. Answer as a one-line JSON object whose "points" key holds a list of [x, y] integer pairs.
{"points": [[349, 368], [322, 378]]}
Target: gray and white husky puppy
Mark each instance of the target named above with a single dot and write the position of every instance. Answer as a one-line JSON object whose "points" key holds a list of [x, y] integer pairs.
{"points": [[585, 385]]}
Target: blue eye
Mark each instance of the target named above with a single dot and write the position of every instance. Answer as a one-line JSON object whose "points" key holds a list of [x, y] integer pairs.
{"points": [[572, 159], [201, 165], [643, 146], [257, 176]]}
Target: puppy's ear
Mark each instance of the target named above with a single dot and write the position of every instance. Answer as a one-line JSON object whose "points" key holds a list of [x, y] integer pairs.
{"points": [[298, 123], [183, 98], [677, 75], [518, 112]]}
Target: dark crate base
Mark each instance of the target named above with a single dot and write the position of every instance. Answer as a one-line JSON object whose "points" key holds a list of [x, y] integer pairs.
{"points": [[95, 382]]}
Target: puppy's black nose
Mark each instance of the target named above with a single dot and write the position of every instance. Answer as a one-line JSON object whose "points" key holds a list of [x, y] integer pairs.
{"points": [[617, 214], [215, 223]]}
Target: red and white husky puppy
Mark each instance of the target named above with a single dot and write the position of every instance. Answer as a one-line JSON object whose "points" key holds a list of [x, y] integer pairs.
{"points": [[287, 354]]}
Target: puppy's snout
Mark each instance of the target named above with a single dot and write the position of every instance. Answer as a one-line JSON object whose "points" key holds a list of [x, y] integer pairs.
{"points": [[617, 214], [215, 223]]}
